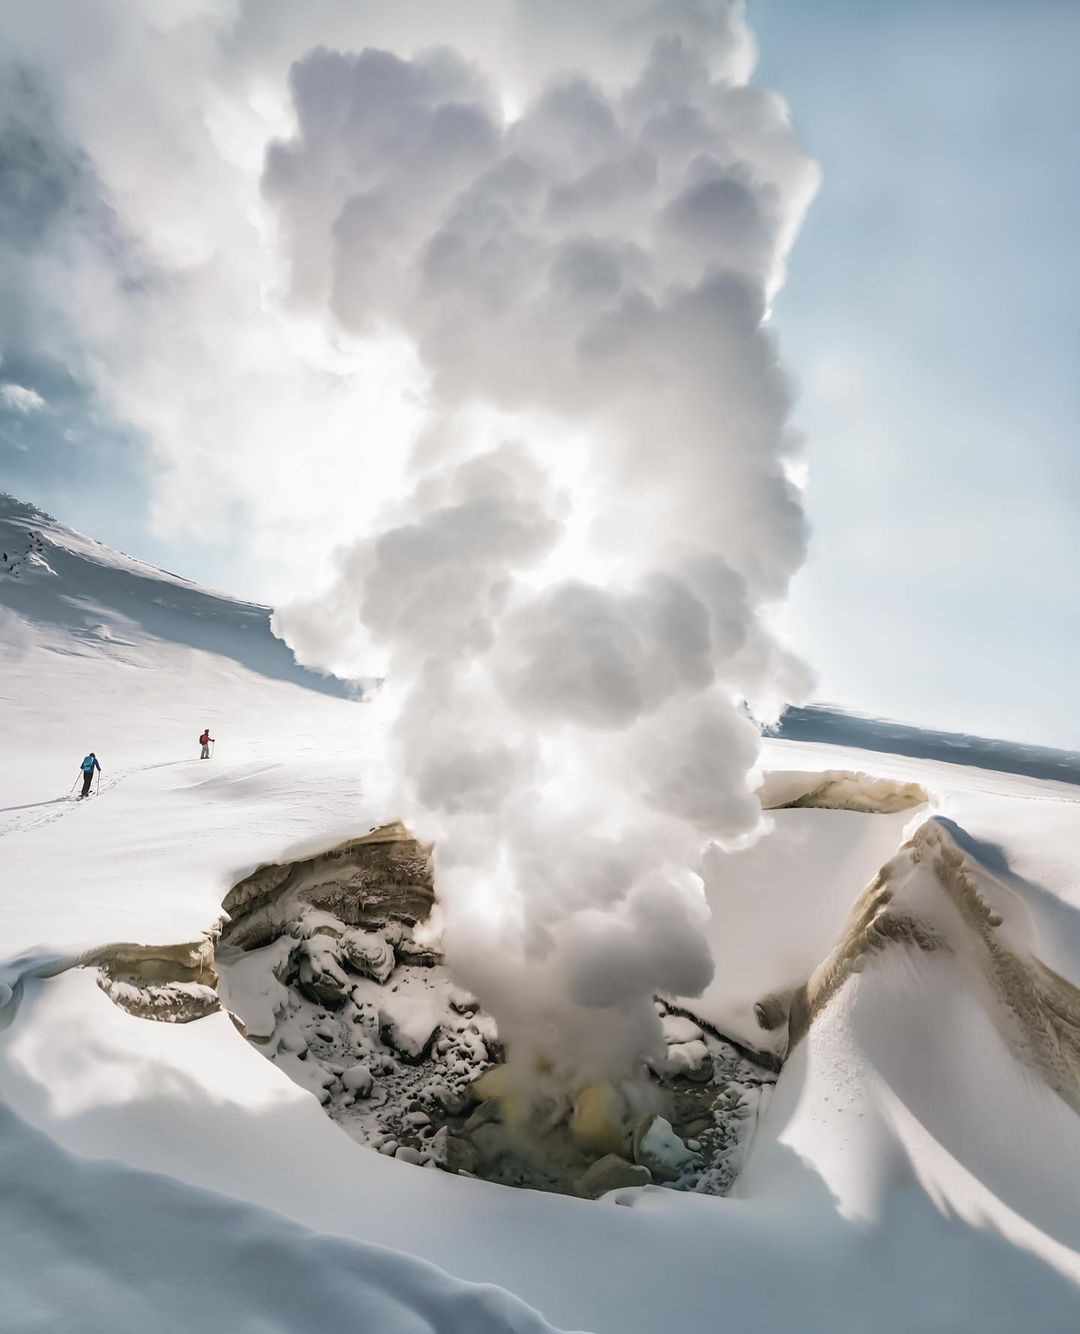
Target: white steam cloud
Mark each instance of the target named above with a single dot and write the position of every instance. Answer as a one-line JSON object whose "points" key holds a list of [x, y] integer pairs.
{"points": [[567, 605]]}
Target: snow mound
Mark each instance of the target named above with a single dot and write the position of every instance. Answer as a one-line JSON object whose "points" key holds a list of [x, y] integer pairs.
{"points": [[930, 1097], [134, 1251], [935, 899], [778, 907]]}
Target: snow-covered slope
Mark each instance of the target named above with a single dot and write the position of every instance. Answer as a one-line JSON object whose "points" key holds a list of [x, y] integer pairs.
{"points": [[99, 652], [915, 1168]]}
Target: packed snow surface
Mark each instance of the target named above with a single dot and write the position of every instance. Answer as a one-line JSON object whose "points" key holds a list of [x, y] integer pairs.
{"points": [[916, 1165]]}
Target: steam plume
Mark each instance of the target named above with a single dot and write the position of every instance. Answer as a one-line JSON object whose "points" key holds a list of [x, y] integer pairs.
{"points": [[567, 606]]}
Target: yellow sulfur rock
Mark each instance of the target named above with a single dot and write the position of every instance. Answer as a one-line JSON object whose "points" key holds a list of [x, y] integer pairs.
{"points": [[598, 1122]]}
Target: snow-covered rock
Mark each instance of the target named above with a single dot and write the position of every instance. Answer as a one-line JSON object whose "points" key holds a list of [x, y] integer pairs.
{"points": [[677, 1029], [655, 1145], [409, 1024], [452, 1152], [358, 1079], [690, 1059], [320, 971], [368, 953]]}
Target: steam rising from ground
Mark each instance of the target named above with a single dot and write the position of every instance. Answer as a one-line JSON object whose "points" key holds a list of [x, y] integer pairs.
{"points": [[567, 607]]}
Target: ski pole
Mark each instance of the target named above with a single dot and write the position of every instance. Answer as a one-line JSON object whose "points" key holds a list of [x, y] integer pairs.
{"points": [[98, 788], [73, 786], [212, 744]]}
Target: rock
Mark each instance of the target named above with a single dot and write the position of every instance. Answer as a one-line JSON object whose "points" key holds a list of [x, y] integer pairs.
{"points": [[410, 1028], [772, 1012], [452, 1153], [372, 881], [407, 1154], [598, 1120], [314, 922], [462, 1002], [497, 1084], [167, 1002], [656, 1146], [489, 1111], [368, 953], [690, 1059], [418, 1118], [610, 1173], [389, 1147], [358, 1080], [320, 975], [419, 956], [678, 1029], [452, 1102], [260, 1038], [285, 967], [490, 1142]]}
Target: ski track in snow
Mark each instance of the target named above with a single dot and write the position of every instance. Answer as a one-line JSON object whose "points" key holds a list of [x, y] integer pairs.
{"points": [[61, 807]]}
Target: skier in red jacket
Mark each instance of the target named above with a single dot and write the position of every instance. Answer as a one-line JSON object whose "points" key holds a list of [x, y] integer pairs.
{"points": [[206, 740]]}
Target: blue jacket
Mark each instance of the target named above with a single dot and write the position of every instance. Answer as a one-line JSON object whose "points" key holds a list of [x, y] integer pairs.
{"points": [[90, 764]]}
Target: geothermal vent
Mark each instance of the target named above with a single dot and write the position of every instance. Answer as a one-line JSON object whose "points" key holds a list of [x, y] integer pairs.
{"points": [[332, 966]]}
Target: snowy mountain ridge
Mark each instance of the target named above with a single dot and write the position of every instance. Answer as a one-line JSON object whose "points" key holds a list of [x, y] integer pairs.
{"points": [[835, 726], [82, 591]]}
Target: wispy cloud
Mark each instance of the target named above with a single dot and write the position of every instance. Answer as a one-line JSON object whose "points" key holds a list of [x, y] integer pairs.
{"points": [[20, 399]]}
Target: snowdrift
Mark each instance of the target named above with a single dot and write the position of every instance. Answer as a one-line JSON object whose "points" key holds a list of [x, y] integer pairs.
{"points": [[931, 1091], [932, 898]]}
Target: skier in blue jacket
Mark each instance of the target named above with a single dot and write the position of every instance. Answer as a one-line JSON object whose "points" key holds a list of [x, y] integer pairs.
{"points": [[88, 766]]}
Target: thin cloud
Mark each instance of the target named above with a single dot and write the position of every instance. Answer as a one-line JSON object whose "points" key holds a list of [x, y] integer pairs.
{"points": [[20, 399]]}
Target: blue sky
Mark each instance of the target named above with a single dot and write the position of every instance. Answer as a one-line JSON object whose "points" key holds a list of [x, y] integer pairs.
{"points": [[930, 319]]}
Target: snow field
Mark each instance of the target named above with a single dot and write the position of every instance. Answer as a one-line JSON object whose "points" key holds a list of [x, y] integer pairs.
{"points": [[911, 1169]]}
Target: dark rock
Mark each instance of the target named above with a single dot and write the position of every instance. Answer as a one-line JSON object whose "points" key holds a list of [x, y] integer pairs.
{"points": [[610, 1173], [490, 1142], [488, 1112], [452, 1153]]}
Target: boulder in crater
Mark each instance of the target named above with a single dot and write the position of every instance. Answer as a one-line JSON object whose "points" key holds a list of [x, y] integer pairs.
{"points": [[611, 1172], [655, 1145], [368, 953]]}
